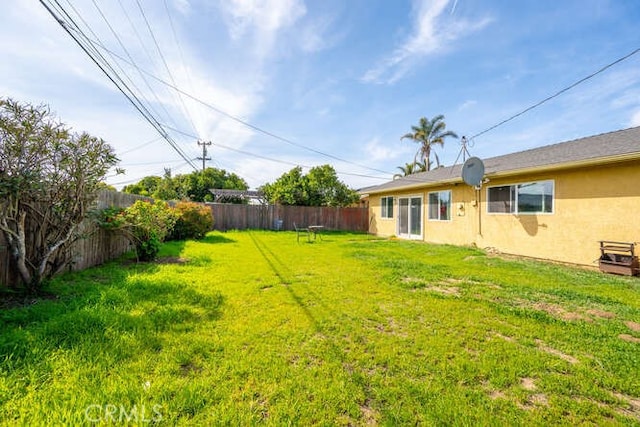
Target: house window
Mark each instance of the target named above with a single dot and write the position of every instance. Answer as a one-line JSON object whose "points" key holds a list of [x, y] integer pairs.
{"points": [[387, 207], [440, 206], [526, 198]]}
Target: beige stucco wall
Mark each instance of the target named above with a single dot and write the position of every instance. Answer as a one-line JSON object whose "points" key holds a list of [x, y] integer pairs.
{"points": [[597, 203], [459, 230]]}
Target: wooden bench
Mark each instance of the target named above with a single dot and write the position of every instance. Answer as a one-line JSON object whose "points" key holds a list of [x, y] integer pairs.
{"points": [[618, 258]]}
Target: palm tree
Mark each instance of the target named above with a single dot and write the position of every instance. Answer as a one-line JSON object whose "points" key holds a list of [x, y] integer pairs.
{"points": [[429, 133], [422, 166], [406, 170]]}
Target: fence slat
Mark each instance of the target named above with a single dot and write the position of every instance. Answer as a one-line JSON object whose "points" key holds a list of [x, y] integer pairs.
{"points": [[242, 217]]}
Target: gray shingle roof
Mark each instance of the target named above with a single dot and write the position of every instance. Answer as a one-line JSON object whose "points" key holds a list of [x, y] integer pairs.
{"points": [[593, 149]]}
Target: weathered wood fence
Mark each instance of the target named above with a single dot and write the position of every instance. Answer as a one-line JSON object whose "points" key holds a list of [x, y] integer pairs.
{"points": [[97, 247], [271, 217]]}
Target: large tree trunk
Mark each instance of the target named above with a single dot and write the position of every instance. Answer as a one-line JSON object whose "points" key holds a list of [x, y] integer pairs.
{"points": [[18, 247]]}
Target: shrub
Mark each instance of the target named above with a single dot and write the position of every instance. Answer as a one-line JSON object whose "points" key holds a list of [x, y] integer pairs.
{"points": [[148, 224], [194, 221], [49, 179], [112, 218]]}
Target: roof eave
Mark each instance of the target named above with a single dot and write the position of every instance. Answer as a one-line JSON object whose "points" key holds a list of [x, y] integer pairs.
{"points": [[520, 171], [416, 185], [599, 161]]}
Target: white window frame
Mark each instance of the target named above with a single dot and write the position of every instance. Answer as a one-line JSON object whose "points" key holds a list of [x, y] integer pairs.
{"points": [[439, 206], [515, 203], [384, 207]]}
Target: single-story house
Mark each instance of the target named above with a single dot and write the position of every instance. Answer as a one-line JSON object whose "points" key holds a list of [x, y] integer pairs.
{"points": [[554, 202]]}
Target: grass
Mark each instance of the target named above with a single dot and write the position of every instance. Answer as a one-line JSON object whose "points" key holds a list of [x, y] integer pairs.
{"points": [[248, 328]]}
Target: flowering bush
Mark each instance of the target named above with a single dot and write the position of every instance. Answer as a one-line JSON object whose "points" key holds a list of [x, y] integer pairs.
{"points": [[149, 224], [194, 221], [146, 224]]}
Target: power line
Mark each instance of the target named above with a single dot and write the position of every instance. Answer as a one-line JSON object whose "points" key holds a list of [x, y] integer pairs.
{"points": [[175, 38], [70, 26], [166, 66], [141, 145], [271, 159], [161, 162], [237, 119], [526, 110], [126, 51]]}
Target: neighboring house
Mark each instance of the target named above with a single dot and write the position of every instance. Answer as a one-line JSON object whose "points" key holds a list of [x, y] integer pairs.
{"points": [[555, 202]]}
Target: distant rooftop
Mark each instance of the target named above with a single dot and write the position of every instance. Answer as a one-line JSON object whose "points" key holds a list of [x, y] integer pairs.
{"points": [[597, 149]]}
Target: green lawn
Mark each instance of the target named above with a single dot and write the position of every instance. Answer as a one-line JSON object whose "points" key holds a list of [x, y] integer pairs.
{"points": [[252, 327]]}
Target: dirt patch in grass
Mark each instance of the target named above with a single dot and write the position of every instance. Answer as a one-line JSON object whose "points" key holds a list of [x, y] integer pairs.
{"points": [[633, 406], [559, 312], [635, 327], [543, 347], [369, 414], [601, 313], [538, 399], [497, 394], [629, 338], [504, 337], [528, 384], [443, 287], [411, 280], [453, 281], [449, 290]]}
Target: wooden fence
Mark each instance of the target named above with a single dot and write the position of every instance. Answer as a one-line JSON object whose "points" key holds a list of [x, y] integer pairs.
{"points": [[268, 217], [99, 246], [96, 248]]}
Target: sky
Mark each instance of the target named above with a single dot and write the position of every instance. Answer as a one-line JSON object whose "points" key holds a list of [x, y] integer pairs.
{"points": [[274, 84]]}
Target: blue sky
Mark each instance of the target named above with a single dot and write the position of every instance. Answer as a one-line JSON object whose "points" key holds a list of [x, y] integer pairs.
{"points": [[345, 78]]}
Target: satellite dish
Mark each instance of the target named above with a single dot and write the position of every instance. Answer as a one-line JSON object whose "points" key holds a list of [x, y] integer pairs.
{"points": [[473, 171]]}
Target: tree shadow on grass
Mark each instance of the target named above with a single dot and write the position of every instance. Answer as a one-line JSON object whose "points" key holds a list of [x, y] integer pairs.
{"points": [[216, 238], [110, 312]]}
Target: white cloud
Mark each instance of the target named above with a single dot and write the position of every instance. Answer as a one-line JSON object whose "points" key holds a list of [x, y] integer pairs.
{"points": [[469, 103], [260, 20], [376, 151], [182, 6], [319, 34], [635, 119], [433, 30]]}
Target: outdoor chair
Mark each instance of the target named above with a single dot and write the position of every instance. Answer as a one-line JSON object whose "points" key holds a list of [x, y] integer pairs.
{"points": [[302, 230]]}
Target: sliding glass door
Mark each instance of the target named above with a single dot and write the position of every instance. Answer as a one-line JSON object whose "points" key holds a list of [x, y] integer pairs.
{"points": [[410, 217]]}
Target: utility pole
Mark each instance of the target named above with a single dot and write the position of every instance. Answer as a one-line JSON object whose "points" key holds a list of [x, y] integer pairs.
{"points": [[204, 157]]}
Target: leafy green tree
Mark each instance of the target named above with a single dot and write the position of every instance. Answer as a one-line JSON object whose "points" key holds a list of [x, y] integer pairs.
{"points": [[289, 189], [325, 189], [105, 186], [200, 182], [145, 187], [428, 134], [168, 188], [49, 179], [194, 186], [320, 187]]}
